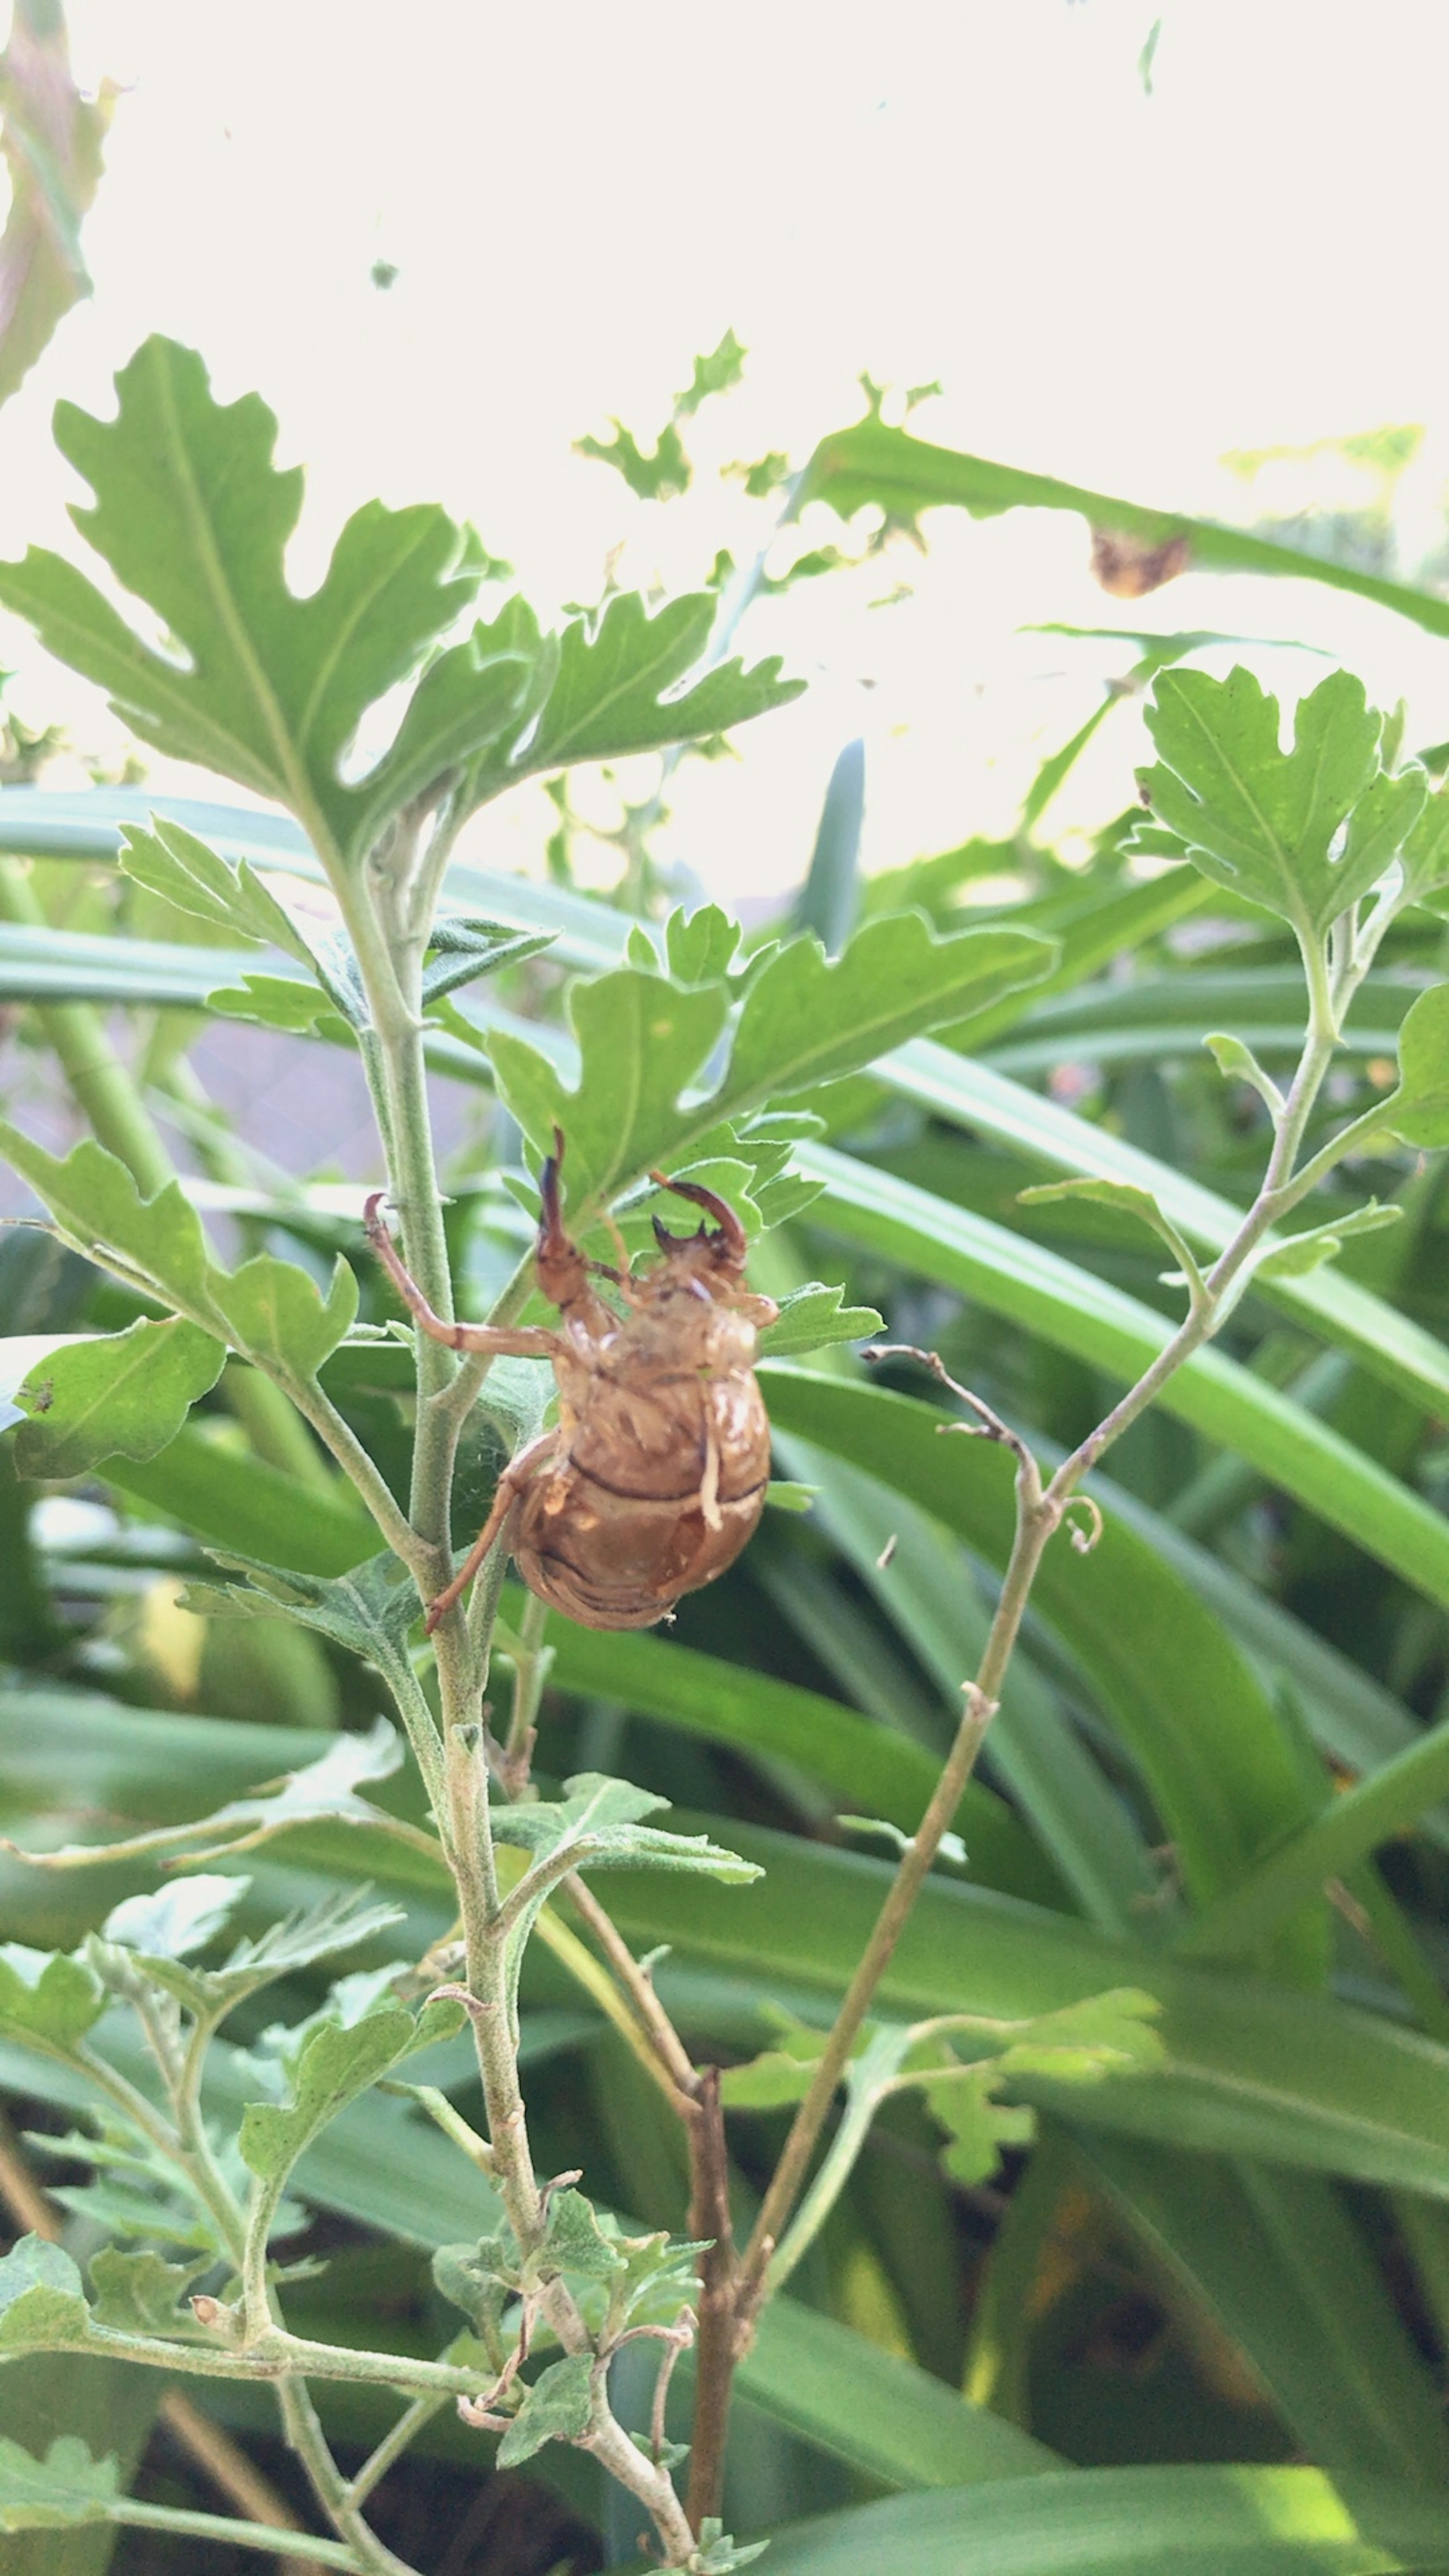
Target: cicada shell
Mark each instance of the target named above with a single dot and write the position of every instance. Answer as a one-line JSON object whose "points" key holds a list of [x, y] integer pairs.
{"points": [[654, 1476]]}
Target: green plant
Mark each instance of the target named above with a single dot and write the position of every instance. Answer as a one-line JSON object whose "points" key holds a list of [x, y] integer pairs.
{"points": [[937, 2009]]}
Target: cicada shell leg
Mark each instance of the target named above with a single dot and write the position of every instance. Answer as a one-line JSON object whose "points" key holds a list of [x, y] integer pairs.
{"points": [[510, 1485], [512, 1341]]}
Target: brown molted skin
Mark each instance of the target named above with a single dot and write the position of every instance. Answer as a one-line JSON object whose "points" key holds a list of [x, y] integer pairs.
{"points": [[655, 1475], [662, 1454]]}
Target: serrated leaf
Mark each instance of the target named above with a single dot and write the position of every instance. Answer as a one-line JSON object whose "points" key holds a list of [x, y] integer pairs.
{"points": [[1264, 821], [42, 2297], [778, 2075], [121, 1395], [370, 1609], [978, 2127], [67, 2486], [573, 2241], [1425, 856], [172, 862], [618, 684], [140, 2293], [47, 1997], [715, 374], [477, 2280], [700, 946], [805, 1020], [275, 1310], [1418, 1112], [660, 477], [336, 1922], [1080, 2043], [596, 1825], [335, 2066], [812, 1319], [1103, 2034], [1319, 1243], [556, 2409], [652, 1036], [281, 1002], [192, 517], [476, 695], [99, 1209], [172, 1921], [323, 1791]]}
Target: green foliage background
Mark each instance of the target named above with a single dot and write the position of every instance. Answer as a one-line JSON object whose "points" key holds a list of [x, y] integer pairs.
{"points": [[1204, 2320]]}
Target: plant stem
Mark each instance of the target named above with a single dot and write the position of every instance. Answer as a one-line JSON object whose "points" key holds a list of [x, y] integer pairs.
{"points": [[391, 2448], [306, 2437], [272, 2539], [226, 2464], [1039, 1512]]}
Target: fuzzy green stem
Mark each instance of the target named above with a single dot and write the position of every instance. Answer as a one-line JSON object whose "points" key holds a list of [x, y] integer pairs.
{"points": [[306, 2437], [391, 2448], [271, 2539]]}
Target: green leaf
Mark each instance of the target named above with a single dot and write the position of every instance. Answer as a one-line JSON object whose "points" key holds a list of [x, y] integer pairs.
{"points": [[1263, 821], [323, 1791], [716, 374], [1418, 1111], [279, 1002], [1278, 2261], [641, 1041], [239, 1503], [371, 1610], [872, 463], [574, 2241], [275, 1310], [141, 2293], [97, 1206], [172, 862], [596, 1826], [813, 1319], [463, 946], [1303, 1252], [979, 2128], [617, 689], [467, 2276], [1075, 1310], [1425, 855], [808, 1019], [1179, 2521], [42, 2297], [47, 1997], [1130, 1199], [660, 477], [67, 2486], [126, 1394], [338, 1921], [174, 1920], [335, 2066], [780, 2074], [849, 2397], [194, 519], [1234, 1059], [701, 946], [883, 1773], [556, 2409], [805, 1020]]}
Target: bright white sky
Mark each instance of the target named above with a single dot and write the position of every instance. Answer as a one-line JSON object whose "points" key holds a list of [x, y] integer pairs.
{"points": [[1111, 287]]}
